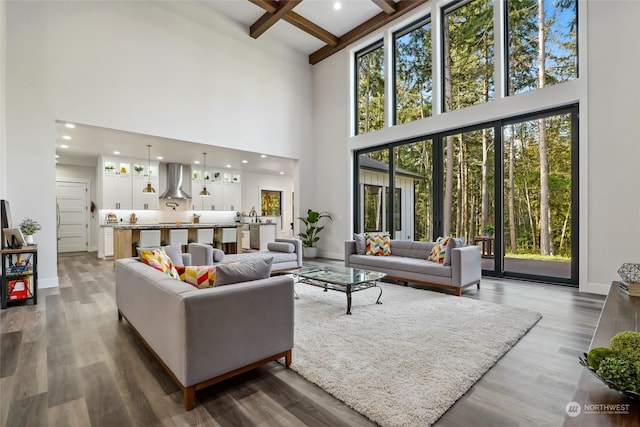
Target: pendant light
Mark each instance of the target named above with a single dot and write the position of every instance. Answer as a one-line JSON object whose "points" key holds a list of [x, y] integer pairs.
{"points": [[149, 189], [204, 192]]}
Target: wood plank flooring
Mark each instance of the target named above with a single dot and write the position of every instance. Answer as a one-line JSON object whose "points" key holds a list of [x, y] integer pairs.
{"points": [[69, 361]]}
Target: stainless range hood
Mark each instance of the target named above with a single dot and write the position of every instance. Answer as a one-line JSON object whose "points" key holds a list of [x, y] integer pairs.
{"points": [[174, 183]]}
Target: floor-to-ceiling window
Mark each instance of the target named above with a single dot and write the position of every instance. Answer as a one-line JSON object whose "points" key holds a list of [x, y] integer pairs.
{"points": [[372, 189], [484, 163], [540, 195], [508, 186], [468, 187]]}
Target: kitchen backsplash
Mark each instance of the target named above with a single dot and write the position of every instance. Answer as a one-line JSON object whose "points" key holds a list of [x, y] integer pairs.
{"points": [[156, 216]]}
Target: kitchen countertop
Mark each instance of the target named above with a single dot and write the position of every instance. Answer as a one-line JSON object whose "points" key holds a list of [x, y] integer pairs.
{"points": [[127, 226]]}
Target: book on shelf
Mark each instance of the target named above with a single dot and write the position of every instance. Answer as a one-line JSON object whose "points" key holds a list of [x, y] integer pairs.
{"points": [[632, 289]]}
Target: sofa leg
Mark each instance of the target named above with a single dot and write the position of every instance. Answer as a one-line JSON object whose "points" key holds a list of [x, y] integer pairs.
{"points": [[189, 398], [287, 358], [459, 292], [478, 285], [119, 315]]}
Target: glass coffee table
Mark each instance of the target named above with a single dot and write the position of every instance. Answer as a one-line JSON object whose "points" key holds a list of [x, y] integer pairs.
{"points": [[338, 278]]}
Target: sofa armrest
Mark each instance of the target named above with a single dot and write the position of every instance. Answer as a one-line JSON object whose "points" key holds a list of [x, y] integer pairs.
{"points": [[250, 321], [466, 265], [297, 243], [201, 254], [186, 258], [349, 249]]}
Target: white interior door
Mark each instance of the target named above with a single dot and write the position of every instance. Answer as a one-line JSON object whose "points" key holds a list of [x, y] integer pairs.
{"points": [[72, 216]]}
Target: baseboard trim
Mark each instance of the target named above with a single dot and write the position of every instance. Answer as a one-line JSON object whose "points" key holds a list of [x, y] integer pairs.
{"points": [[48, 283], [596, 288]]}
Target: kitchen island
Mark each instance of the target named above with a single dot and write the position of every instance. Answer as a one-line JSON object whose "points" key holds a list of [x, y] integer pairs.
{"points": [[127, 236]]}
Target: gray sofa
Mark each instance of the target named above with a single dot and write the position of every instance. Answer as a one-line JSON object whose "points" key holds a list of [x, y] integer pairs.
{"points": [[408, 263], [203, 336], [286, 254]]}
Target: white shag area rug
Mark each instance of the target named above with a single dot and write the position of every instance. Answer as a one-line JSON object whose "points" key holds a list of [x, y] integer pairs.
{"points": [[405, 362]]}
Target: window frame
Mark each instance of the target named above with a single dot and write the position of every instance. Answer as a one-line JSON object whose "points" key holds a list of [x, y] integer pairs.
{"points": [[438, 139], [356, 80], [507, 54], [426, 19]]}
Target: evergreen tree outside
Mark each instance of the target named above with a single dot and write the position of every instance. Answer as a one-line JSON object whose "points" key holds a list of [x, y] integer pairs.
{"points": [[370, 72]]}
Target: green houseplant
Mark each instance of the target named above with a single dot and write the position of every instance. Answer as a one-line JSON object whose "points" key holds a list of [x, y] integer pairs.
{"points": [[488, 230], [311, 236], [28, 227]]}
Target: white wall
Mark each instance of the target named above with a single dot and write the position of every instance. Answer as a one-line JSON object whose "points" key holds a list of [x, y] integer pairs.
{"points": [[330, 181], [140, 67], [83, 174], [608, 93], [3, 97], [613, 149]]}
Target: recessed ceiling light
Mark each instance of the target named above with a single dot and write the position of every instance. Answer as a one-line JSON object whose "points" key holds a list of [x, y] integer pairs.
{"points": [[57, 156], [337, 5], [67, 137], [70, 125], [263, 156], [64, 146], [245, 161], [228, 166], [197, 162], [159, 157], [116, 152], [281, 173]]}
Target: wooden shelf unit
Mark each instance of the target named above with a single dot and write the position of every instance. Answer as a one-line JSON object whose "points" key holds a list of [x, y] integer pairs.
{"points": [[14, 272]]}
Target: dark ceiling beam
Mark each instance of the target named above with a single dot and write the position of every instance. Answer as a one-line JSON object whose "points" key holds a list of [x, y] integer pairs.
{"points": [[267, 20], [300, 22], [387, 6], [362, 30]]}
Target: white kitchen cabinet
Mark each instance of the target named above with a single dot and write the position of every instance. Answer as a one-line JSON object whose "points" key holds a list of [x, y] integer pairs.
{"points": [[199, 202], [121, 182], [108, 242], [246, 239], [223, 196], [261, 234], [116, 191], [143, 200], [231, 196]]}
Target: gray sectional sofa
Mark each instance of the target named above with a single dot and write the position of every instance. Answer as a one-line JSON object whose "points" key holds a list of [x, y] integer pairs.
{"points": [[408, 263], [203, 336], [286, 254]]}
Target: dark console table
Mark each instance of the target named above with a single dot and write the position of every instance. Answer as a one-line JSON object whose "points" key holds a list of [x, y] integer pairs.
{"points": [[599, 405]]}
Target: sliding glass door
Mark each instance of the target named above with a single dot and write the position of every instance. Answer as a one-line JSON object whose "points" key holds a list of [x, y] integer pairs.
{"points": [[539, 200], [469, 188], [508, 186]]}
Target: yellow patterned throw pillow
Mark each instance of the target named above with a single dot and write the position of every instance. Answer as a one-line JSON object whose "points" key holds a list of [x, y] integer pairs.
{"points": [[201, 277], [378, 244], [439, 250], [159, 260]]}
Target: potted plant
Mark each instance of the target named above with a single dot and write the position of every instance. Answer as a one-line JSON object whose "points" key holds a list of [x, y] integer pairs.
{"points": [[311, 236], [489, 229], [28, 227]]}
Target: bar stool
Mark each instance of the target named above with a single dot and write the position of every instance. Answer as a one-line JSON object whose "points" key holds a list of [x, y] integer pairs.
{"points": [[229, 240], [149, 239], [179, 237], [204, 235]]}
